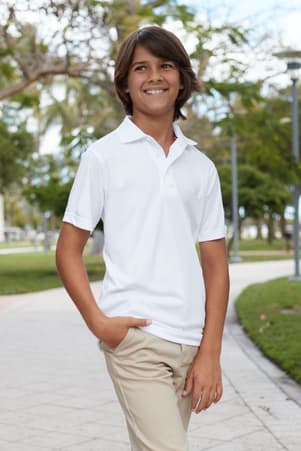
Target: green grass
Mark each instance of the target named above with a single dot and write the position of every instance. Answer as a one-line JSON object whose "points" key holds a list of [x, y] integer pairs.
{"points": [[261, 245], [270, 313], [251, 250], [12, 244], [23, 273], [26, 272]]}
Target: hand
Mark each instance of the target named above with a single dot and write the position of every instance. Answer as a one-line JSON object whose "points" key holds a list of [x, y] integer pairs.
{"points": [[204, 381], [113, 330]]}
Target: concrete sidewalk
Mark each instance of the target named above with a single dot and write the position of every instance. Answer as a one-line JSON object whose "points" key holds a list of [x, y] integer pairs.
{"points": [[55, 393]]}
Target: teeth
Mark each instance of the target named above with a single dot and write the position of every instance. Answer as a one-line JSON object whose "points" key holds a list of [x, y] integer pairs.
{"points": [[154, 91]]}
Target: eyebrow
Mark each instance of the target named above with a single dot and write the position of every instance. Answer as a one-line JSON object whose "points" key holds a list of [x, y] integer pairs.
{"points": [[138, 62], [145, 61]]}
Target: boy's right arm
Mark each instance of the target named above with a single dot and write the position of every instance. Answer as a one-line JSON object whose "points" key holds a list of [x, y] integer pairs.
{"points": [[72, 270]]}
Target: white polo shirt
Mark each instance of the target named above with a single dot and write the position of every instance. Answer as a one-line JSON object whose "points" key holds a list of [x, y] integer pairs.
{"points": [[154, 209]]}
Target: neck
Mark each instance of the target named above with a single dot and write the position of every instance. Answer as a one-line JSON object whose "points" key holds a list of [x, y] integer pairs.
{"points": [[159, 129]]}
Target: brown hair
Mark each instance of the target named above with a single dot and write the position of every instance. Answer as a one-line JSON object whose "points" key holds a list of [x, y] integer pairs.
{"points": [[163, 44]]}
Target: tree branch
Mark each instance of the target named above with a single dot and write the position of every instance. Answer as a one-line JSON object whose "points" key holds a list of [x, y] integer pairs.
{"points": [[75, 72]]}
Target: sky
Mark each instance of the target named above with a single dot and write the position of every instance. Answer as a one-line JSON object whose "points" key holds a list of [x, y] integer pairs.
{"points": [[282, 18]]}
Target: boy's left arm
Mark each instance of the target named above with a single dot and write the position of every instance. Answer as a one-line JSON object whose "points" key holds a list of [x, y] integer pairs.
{"points": [[204, 377]]}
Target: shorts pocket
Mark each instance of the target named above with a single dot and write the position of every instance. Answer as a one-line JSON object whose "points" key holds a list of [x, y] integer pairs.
{"points": [[120, 346]]}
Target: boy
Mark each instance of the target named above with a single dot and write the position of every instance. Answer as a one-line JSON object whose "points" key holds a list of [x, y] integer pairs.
{"points": [[161, 314]]}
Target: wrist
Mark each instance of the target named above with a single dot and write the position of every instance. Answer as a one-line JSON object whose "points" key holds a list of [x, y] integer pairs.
{"points": [[96, 322], [211, 348]]}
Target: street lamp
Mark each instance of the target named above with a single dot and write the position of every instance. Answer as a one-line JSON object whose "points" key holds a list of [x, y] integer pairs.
{"points": [[293, 62], [235, 258]]}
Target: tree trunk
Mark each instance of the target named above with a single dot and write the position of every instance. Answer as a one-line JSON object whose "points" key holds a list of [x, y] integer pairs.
{"points": [[271, 231], [2, 236], [282, 225], [259, 231], [240, 226]]}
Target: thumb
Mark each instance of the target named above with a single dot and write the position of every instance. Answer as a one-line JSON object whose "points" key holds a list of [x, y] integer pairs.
{"points": [[188, 385], [139, 322]]}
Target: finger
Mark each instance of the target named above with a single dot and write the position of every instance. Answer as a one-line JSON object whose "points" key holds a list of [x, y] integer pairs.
{"points": [[207, 399], [203, 403], [218, 393], [196, 405], [197, 396], [138, 322], [210, 400], [188, 386]]}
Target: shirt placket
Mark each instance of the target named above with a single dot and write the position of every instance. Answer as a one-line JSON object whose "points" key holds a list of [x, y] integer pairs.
{"points": [[168, 180], [164, 164]]}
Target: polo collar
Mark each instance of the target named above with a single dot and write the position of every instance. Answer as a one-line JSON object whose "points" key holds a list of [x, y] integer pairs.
{"points": [[180, 135], [129, 132]]}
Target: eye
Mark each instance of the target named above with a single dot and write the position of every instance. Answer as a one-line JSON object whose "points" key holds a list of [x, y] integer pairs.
{"points": [[167, 66], [139, 68]]}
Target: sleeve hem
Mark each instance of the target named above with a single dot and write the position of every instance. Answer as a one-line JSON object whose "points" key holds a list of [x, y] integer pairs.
{"points": [[77, 221], [211, 236]]}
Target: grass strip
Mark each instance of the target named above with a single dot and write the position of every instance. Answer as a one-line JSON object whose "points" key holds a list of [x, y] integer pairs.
{"points": [[261, 245], [24, 273], [270, 313]]}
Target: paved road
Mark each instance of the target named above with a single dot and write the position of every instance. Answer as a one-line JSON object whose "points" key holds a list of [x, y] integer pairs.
{"points": [[19, 250], [55, 393], [22, 250]]}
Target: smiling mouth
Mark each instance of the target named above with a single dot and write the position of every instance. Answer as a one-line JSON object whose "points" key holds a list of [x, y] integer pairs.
{"points": [[154, 91]]}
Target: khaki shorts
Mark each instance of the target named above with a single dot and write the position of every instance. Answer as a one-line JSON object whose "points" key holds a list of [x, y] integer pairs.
{"points": [[149, 374]]}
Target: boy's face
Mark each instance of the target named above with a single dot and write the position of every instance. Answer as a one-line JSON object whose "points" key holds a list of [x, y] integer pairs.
{"points": [[153, 84]]}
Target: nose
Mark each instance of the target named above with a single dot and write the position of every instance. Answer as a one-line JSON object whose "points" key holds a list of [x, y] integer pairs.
{"points": [[155, 75]]}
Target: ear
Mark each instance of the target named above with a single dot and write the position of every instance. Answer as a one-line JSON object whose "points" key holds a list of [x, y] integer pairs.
{"points": [[181, 87]]}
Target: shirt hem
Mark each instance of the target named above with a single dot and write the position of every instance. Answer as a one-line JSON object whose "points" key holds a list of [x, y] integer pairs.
{"points": [[168, 335]]}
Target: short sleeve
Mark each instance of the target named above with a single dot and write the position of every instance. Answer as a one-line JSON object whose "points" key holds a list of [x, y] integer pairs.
{"points": [[86, 199], [212, 226]]}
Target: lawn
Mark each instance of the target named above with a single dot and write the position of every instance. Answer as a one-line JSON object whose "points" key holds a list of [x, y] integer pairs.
{"points": [[12, 244], [251, 250], [261, 245], [21, 273], [270, 313]]}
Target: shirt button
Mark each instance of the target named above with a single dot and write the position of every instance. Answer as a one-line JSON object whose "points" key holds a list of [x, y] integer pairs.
{"points": [[170, 184]]}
